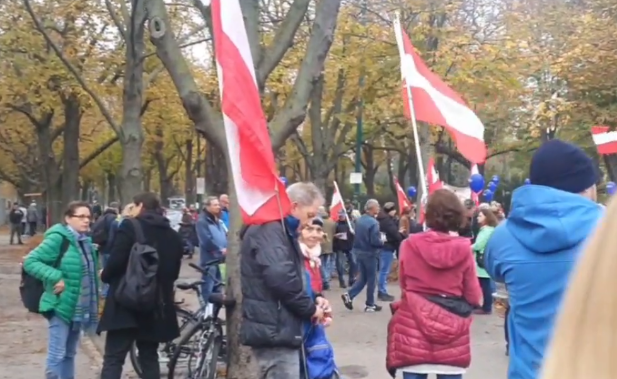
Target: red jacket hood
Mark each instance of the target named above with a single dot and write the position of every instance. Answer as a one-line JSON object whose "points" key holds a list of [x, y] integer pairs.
{"points": [[440, 250]]}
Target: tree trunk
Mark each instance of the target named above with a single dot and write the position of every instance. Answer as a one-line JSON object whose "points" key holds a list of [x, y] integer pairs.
{"points": [[189, 177], [85, 190], [70, 160], [147, 179], [370, 170], [131, 135], [112, 185], [50, 172], [217, 180], [240, 364]]}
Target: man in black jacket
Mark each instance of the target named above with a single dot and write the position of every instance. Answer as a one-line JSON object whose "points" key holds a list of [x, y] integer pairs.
{"points": [[275, 302], [388, 225], [15, 217], [342, 245]]}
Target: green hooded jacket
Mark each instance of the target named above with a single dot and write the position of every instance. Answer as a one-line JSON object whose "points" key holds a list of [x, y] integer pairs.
{"points": [[478, 247], [40, 264]]}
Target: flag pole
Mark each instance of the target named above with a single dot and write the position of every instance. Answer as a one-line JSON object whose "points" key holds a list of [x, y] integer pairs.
{"points": [[412, 112], [346, 215]]}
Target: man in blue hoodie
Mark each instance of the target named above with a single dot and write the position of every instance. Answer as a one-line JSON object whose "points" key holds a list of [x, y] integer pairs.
{"points": [[212, 235], [535, 249]]}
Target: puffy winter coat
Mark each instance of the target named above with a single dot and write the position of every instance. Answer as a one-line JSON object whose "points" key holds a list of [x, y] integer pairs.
{"points": [[40, 264], [421, 332]]}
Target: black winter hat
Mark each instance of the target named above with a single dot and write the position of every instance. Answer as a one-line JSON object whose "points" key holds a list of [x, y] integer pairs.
{"points": [[563, 166]]}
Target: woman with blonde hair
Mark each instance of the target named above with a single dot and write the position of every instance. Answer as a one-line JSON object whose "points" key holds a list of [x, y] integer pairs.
{"points": [[583, 343]]}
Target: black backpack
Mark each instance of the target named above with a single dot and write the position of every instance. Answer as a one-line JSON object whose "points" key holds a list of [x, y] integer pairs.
{"points": [[100, 229], [31, 289], [138, 289]]}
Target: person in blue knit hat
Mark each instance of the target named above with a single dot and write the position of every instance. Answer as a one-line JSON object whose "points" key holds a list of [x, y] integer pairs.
{"points": [[535, 249]]}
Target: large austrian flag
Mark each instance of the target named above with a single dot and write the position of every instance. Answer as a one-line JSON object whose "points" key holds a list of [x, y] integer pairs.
{"points": [[435, 103], [605, 140], [261, 195]]}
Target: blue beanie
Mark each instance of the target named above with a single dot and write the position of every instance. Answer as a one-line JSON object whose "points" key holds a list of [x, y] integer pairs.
{"points": [[563, 166]]}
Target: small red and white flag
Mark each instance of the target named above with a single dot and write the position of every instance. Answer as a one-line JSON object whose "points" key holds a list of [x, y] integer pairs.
{"points": [[432, 176], [605, 140], [401, 196], [474, 196], [261, 195], [436, 103], [336, 205]]}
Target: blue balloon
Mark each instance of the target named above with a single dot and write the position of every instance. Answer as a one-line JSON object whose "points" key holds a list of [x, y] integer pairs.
{"points": [[488, 195], [284, 180], [476, 183], [492, 186], [611, 188], [527, 181], [412, 191], [495, 179]]}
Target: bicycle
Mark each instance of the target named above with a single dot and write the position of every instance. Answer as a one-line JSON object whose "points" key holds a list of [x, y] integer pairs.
{"points": [[186, 319], [208, 333]]}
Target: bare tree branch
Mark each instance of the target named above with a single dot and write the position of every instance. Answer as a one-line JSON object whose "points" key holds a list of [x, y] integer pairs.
{"points": [[287, 121], [282, 42], [102, 108]]}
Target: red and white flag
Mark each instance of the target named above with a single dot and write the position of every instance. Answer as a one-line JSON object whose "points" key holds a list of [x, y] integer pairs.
{"points": [[435, 103], [474, 196], [336, 205], [401, 196], [432, 177], [261, 195], [605, 140]]}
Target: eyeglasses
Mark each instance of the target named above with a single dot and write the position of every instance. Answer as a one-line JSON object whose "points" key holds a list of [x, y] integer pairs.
{"points": [[82, 217]]}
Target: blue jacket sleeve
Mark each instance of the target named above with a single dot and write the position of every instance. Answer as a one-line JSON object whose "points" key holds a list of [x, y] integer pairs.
{"points": [[374, 236], [491, 262]]}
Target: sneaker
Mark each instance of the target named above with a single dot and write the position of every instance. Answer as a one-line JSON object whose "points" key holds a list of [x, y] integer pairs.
{"points": [[347, 301], [342, 285], [372, 308], [385, 297]]}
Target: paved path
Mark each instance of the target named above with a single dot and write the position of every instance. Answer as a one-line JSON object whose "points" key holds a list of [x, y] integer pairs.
{"points": [[359, 339]]}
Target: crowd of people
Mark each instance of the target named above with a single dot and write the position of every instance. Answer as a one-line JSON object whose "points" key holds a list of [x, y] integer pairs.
{"points": [[24, 221], [447, 272]]}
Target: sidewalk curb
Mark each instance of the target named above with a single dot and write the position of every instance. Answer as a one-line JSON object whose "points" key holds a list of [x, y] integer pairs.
{"points": [[89, 347]]}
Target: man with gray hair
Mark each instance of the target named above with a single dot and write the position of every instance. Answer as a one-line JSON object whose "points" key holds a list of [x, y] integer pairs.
{"points": [[366, 247], [275, 302]]}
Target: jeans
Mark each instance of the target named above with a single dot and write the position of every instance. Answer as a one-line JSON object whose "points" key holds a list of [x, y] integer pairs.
{"points": [[340, 266], [32, 227], [487, 293], [16, 231], [385, 263], [277, 363], [117, 345], [208, 287], [327, 266], [409, 375], [367, 267], [61, 349], [505, 328]]}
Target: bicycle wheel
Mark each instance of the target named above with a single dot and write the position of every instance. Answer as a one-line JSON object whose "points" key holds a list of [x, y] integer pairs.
{"points": [[189, 348], [185, 319], [207, 358]]}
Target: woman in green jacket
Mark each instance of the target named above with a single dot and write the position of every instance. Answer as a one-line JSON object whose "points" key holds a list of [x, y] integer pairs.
{"points": [[487, 221], [70, 299]]}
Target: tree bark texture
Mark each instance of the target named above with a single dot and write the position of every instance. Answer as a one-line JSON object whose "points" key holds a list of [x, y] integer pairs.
{"points": [[131, 132], [70, 154]]}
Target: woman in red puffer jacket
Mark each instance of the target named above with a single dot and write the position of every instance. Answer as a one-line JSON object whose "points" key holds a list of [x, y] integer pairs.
{"points": [[429, 332]]}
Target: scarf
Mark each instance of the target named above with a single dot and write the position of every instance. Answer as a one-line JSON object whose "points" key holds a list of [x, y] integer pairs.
{"points": [[312, 254], [86, 311]]}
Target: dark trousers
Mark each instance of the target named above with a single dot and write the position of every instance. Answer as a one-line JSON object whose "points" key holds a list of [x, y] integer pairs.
{"points": [[32, 227], [117, 345], [16, 231], [487, 293], [340, 266], [505, 328], [367, 267]]}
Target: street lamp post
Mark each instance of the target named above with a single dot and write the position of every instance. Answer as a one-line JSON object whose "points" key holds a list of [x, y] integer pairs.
{"points": [[359, 124]]}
